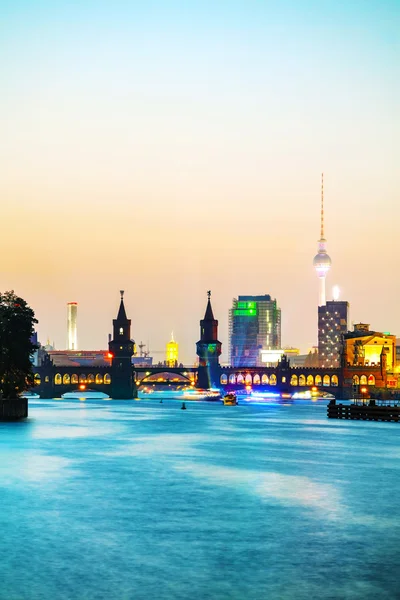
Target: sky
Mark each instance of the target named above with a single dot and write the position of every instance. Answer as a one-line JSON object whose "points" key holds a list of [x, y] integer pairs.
{"points": [[171, 147]]}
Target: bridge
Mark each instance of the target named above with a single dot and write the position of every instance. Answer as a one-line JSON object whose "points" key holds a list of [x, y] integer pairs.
{"points": [[120, 379]]}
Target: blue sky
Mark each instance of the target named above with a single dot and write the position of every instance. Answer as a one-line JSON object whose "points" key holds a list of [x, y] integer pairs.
{"points": [[188, 138]]}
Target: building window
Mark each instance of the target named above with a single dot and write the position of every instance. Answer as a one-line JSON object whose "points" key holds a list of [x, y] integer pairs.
{"points": [[37, 379], [121, 331], [363, 380], [356, 380], [371, 380]]}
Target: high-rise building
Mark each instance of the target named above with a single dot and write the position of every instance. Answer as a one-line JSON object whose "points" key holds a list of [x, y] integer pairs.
{"points": [[172, 352], [333, 320], [254, 326], [72, 334], [322, 262]]}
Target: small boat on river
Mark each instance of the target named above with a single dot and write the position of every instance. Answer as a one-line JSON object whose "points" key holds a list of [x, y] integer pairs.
{"points": [[85, 394], [230, 399]]}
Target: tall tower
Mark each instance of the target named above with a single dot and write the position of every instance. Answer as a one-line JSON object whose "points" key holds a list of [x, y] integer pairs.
{"points": [[121, 348], [208, 349], [322, 262], [172, 352], [72, 335]]}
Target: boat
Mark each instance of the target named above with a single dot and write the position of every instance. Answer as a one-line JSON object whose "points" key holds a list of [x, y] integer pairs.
{"points": [[210, 395], [230, 399], [29, 395], [85, 394]]}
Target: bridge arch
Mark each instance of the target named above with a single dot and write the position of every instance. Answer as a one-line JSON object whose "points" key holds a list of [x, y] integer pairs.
{"points": [[265, 379], [107, 378], [57, 379], [334, 381], [310, 380], [66, 379], [294, 380], [272, 379], [99, 378], [74, 378], [302, 380], [371, 379], [356, 380], [318, 380], [256, 379], [326, 381], [224, 379]]}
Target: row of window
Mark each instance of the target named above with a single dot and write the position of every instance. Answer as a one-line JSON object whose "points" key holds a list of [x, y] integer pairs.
{"points": [[363, 380], [295, 380], [71, 379]]}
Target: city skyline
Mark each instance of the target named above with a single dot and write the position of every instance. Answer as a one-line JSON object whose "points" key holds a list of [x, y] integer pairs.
{"points": [[168, 150]]}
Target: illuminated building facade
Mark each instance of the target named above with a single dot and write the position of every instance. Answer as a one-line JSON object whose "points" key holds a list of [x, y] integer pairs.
{"points": [[72, 332], [172, 352], [333, 319], [254, 327], [365, 347], [322, 262]]}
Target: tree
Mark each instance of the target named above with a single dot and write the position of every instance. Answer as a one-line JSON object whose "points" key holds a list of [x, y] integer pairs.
{"points": [[17, 322]]}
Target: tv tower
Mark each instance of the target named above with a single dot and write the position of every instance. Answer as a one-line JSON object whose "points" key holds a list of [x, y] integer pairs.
{"points": [[322, 262]]}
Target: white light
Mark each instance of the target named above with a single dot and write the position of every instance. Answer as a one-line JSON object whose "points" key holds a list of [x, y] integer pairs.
{"points": [[336, 293]]}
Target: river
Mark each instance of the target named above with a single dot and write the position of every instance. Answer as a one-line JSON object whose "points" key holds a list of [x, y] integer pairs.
{"points": [[142, 500]]}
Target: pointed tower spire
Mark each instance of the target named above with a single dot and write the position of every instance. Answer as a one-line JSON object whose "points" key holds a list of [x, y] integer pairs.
{"points": [[209, 315], [122, 313], [322, 206]]}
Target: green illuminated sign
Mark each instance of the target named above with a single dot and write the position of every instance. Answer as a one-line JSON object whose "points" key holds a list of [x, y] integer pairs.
{"points": [[249, 308], [245, 312]]}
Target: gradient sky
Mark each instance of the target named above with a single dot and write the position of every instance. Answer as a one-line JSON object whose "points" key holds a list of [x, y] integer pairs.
{"points": [[171, 147]]}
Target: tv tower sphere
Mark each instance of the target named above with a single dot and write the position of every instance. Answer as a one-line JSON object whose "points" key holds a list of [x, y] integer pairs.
{"points": [[322, 262]]}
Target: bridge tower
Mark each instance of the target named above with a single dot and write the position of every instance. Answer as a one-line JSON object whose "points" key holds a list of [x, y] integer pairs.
{"points": [[121, 348], [208, 349]]}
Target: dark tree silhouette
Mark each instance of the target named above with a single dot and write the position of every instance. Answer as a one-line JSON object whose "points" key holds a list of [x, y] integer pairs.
{"points": [[17, 321]]}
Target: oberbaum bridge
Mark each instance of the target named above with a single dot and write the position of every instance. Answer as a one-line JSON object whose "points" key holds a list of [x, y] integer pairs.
{"points": [[121, 380]]}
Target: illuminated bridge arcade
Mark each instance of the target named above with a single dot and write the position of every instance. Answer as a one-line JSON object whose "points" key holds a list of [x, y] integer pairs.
{"points": [[120, 379]]}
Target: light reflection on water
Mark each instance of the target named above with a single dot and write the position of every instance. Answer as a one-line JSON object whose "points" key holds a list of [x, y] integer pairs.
{"points": [[142, 500]]}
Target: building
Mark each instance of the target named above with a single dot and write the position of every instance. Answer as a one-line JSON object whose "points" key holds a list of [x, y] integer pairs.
{"points": [[365, 348], [171, 354], [322, 262], [333, 319], [72, 334], [208, 349], [254, 327]]}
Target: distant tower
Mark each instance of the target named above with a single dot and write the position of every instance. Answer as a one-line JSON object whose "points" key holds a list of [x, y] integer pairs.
{"points": [[72, 334], [208, 349], [172, 352], [322, 262], [121, 348]]}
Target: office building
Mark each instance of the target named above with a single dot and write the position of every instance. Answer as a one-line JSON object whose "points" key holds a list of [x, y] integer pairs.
{"points": [[254, 329], [72, 334], [333, 319]]}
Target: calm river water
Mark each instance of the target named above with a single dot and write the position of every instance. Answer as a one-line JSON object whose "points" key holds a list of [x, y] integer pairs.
{"points": [[141, 500]]}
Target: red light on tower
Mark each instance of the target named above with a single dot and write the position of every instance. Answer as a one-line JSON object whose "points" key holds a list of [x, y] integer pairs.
{"points": [[110, 355], [82, 386]]}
